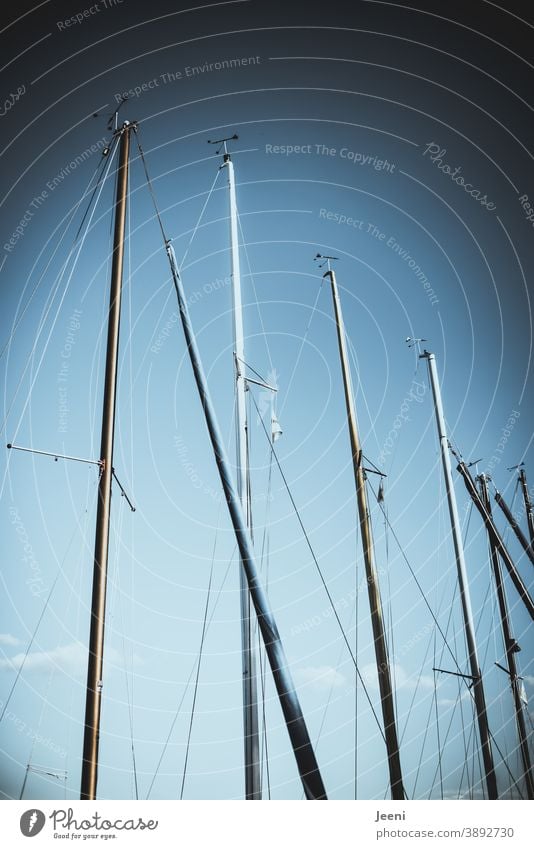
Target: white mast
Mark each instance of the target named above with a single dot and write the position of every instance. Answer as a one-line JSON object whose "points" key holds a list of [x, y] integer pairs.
{"points": [[250, 693], [476, 677]]}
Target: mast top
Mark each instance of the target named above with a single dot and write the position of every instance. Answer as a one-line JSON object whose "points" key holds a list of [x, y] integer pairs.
{"points": [[327, 261], [223, 142], [513, 468], [113, 119], [416, 343]]}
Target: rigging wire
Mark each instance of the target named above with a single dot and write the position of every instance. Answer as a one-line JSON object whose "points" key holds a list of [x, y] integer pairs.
{"points": [[177, 712], [441, 526], [47, 342], [39, 620], [184, 693], [356, 649], [77, 593], [264, 742], [472, 730], [113, 604], [156, 209], [42, 323], [160, 223], [427, 724], [355, 369], [446, 644], [250, 274], [200, 654], [302, 343], [114, 580], [95, 381], [130, 685], [389, 635], [467, 742], [325, 585], [440, 752], [200, 217], [430, 642], [458, 697], [332, 686], [262, 654], [39, 725], [100, 166], [414, 576]]}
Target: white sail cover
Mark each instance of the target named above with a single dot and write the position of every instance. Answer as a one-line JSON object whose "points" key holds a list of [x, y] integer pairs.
{"points": [[276, 430]]}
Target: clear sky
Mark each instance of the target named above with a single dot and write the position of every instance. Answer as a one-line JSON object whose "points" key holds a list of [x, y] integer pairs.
{"points": [[355, 128]]}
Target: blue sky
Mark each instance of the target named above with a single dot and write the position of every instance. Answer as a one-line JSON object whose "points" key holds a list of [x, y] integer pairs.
{"points": [[366, 99]]}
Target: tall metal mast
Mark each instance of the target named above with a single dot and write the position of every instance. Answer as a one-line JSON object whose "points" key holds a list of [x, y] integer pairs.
{"points": [[528, 504], [250, 691], [98, 602], [511, 648], [296, 726], [476, 677], [381, 649]]}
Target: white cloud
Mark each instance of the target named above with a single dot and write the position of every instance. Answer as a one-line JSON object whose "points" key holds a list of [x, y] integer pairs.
{"points": [[71, 658], [466, 696], [320, 677], [9, 640], [401, 678]]}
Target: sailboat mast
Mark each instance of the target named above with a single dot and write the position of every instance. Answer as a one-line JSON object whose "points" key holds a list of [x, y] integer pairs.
{"points": [[478, 686], [98, 602], [250, 693], [296, 726], [528, 505], [377, 618], [510, 647]]}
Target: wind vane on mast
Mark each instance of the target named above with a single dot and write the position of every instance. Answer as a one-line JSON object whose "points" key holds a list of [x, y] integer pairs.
{"points": [[415, 343], [327, 260], [225, 149]]}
